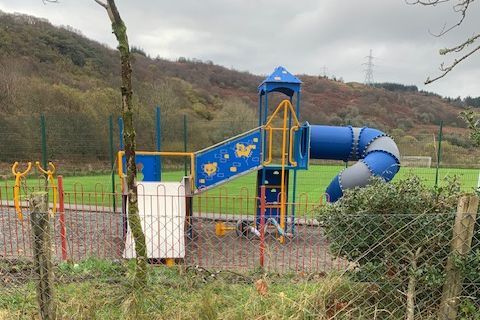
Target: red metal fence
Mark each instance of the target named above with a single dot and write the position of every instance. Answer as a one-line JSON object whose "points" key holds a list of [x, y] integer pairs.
{"points": [[88, 225]]}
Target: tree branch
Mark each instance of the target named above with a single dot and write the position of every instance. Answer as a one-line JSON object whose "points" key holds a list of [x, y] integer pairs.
{"points": [[108, 7], [103, 4], [449, 68], [425, 2], [461, 46], [461, 7]]}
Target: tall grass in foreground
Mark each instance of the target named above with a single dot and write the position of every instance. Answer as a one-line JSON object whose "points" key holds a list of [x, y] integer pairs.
{"points": [[101, 289]]}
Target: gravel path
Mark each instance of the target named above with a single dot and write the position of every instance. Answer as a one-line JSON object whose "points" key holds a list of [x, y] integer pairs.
{"points": [[100, 234]]}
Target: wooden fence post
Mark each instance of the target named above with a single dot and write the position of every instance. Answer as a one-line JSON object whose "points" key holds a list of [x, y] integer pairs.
{"points": [[42, 253], [463, 231]]}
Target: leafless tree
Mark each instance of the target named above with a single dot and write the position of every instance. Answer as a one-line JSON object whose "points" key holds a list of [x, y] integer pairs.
{"points": [[234, 118], [120, 31], [464, 49], [10, 83]]}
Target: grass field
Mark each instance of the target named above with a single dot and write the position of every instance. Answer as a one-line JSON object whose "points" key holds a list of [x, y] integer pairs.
{"points": [[313, 181]]}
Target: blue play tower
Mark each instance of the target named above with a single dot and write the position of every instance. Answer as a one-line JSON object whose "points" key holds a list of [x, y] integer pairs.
{"points": [[375, 152], [277, 149]]}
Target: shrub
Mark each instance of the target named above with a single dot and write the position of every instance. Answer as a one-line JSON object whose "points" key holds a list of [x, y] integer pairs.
{"points": [[397, 233], [472, 119]]}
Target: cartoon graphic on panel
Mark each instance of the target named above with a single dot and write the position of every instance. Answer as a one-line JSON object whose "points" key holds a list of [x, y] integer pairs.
{"points": [[229, 159]]}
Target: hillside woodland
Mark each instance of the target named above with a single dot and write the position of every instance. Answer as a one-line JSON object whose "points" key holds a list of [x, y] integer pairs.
{"points": [[74, 81]]}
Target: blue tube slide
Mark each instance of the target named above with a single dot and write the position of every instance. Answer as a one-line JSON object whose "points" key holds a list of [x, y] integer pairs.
{"points": [[376, 152]]}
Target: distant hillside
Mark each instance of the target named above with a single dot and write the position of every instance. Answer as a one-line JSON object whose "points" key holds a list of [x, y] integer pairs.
{"points": [[74, 81]]}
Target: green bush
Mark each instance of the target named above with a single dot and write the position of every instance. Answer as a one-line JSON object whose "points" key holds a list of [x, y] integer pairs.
{"points": [[395, 232], [472, 118]]}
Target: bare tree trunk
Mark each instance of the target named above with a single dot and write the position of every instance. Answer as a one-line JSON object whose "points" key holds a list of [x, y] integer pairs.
{"points": [[120, 31]]}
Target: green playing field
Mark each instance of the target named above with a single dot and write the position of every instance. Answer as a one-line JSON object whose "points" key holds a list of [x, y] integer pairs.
{"points": [[236, 196], [312, 181]]}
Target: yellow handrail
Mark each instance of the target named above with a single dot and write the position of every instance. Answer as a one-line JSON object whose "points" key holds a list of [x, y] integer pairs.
{"points": [[49, 173], [120, 164], [158, 153], [290, 151], [283, 104], [269, 129], [287, 108], [282, 184], [16, 189]]}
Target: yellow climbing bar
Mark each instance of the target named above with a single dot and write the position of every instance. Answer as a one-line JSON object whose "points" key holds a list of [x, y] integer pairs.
{"points": [[16, 189], [290, 150], [287, 108], [282, 184], [49, 173], [269, 131], [287, 148], [120, 164]]}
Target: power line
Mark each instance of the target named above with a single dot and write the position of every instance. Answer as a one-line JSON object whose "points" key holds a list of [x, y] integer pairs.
{"points": [[369, 69]]}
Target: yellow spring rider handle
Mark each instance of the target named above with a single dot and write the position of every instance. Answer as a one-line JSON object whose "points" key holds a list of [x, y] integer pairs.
{"points": [[49, 173], [16, 189]]}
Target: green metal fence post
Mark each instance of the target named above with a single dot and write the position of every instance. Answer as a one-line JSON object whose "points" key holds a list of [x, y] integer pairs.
{"points": [[44, 140], [112, 161], [185, 143], [439, 153]]}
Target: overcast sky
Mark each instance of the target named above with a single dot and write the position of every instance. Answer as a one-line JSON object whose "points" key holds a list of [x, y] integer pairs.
{"points": [[304, 36]]}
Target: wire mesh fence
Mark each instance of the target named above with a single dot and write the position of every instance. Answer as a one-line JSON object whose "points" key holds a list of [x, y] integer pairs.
{"points": [[368, 266], [81, 149], [383, 266]]}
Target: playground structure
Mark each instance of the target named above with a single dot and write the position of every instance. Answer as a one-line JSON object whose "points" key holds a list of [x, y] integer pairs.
{"points": [[276, 149]]}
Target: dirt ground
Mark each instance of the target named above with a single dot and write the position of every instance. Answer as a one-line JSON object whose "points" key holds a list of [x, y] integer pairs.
{"points": [[101, 234]]}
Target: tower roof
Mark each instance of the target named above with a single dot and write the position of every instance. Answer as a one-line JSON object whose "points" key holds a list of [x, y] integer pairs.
{"points": [[280, 81]]}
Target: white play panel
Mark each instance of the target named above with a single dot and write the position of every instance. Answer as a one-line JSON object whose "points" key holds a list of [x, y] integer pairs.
{"points": [[162, 210]]}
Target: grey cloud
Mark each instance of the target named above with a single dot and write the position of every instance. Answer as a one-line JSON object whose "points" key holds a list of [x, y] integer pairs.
{"points": [[257, 35]]}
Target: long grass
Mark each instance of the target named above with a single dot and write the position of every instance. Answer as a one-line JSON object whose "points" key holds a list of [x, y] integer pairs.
{"points": [[98, 289], [101, 289]]}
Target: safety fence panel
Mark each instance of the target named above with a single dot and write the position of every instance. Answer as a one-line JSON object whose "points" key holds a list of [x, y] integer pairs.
{"points": [[384, 266], [214, 231]]}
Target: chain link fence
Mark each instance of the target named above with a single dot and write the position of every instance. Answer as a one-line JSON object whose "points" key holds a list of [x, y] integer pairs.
{"points": [[82, 149], [365, 266]]}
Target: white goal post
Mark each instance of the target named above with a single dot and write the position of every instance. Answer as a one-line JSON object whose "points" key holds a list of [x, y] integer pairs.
{"points": [[478, 181], [416, 161]]}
